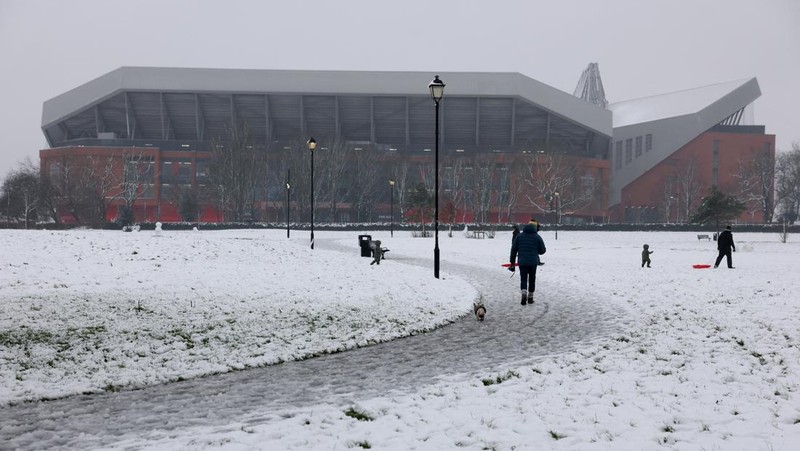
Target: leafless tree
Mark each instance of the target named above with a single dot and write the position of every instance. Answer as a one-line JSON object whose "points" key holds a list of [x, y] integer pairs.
{"points": [[787, 182], [368, 181], [237, 168], [669, 197], [21, 190], [689, 188], [336, 173], [137, 178], [483, 174], [509, 192], [550, 173], [399, 173], [454, 181], [756, 183]]}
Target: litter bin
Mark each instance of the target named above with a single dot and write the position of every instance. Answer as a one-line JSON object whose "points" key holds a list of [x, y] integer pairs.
{"points": [[363, 242]]}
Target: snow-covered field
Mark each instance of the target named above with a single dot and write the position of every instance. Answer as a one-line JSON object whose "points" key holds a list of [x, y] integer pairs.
{"points": [[708, 358]]}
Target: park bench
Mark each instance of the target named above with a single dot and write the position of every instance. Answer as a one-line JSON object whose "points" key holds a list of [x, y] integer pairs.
{"points": [[703, 236]]}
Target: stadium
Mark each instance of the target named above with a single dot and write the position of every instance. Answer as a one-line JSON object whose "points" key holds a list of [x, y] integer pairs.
{"points": [[149, 142]]}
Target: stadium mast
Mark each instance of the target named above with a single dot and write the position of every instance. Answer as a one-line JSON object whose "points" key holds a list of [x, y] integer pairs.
{"points": [[590, 86]]}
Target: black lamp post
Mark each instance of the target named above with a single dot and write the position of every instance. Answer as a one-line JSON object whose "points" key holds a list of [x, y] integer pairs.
{"points": [[558, 211], [288, 188], [437, 91], [391, 209], [312, 144]]}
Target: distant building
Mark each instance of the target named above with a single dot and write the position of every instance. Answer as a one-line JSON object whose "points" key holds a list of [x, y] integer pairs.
{"points": [[510, 146], [669, 150]]}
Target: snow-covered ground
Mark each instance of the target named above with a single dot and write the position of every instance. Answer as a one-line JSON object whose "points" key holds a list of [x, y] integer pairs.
{"points": [[707, 358]]}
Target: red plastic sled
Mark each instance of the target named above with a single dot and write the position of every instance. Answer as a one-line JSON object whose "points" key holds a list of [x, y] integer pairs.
{"points": [[701, 266], [506, 265]]}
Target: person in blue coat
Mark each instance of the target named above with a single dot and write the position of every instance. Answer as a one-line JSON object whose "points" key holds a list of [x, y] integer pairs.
{"points": [[528, 246]]}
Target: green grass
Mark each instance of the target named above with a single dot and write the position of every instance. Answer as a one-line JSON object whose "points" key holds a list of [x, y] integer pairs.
{"points": [[357, 414]]}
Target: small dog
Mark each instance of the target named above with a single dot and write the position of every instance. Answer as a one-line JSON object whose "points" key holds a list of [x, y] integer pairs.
{"points": [[479, 309]]}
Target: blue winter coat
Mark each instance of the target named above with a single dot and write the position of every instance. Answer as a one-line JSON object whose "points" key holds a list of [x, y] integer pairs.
{"points": [[529, 246]]}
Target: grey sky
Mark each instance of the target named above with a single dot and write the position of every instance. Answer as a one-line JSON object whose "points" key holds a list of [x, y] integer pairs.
{"points": [[48, 47]]}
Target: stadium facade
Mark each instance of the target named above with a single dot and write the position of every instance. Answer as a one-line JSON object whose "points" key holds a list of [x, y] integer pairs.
{"points": [[510, 146]]}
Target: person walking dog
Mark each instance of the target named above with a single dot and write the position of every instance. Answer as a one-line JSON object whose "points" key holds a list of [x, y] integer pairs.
{"points": [[528, 245], [725, 246]]}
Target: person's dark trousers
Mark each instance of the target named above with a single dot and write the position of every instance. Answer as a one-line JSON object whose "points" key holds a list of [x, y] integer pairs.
{"points": [[527, 278], [727, 255]]}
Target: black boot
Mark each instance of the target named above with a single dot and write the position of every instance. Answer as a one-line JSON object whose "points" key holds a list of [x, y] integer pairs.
{"points": [[524, 297], [530, 298]]}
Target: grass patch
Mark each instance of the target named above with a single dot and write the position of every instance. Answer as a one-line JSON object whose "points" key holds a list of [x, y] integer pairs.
{"points": [[556, 436], [363, 444], [357, 414], [500, 379]]}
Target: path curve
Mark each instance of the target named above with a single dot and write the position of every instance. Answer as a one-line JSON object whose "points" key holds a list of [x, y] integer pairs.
{"points": [[563, 318]]}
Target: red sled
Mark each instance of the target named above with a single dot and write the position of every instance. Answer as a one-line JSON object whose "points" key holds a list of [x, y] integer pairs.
{"points": [[506, 265], [701, 266]]}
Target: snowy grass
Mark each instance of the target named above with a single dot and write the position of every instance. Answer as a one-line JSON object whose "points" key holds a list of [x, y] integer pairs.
{"points": [[88, 311], [704, 359]]}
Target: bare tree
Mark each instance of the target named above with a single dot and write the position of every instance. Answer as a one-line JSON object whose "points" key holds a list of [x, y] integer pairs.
{"points": [[482, 187], [787, 181], [21, 190], [336, 174], [509, 192], [137, 178], [454, 180], [688, 187], [756, 183], [399, 174], [367, 184], [550, 173], [237, 167]]}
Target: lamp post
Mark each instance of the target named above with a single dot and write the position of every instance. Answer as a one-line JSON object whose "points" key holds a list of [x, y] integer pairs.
{"points": [[391, 209], [437, 91], [288, 204], [312, 144], [558, 211]]}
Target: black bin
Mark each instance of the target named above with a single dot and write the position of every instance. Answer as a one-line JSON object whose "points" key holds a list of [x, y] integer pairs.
{"points": [[363, 242]]}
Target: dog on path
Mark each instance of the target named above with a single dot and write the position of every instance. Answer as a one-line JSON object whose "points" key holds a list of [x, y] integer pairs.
{"points": [[479, 309]]}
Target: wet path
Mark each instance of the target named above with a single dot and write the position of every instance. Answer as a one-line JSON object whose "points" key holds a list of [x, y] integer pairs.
{"points": [[561, 319]]}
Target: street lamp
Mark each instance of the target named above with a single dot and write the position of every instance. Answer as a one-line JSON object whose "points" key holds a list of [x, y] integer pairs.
{"points": [[312, 144], [288, 188], [558, 211], [391, 209], [437, 91]]}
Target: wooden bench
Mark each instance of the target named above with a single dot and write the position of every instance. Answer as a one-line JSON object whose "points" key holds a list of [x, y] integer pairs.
{"points": [[479, 234], [704, 236]]}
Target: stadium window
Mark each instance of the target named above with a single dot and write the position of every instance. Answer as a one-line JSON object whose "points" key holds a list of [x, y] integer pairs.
{"points": [[638, 146], [628, 150], [618, 156], [648, 142]]}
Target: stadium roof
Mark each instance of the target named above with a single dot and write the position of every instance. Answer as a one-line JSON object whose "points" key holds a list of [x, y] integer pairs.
{"points": [[671, 121], [689, 101], [506, 110]]}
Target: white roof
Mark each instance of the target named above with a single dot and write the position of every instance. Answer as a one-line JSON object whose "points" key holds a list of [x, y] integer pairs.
{"points": [[679, 103]]}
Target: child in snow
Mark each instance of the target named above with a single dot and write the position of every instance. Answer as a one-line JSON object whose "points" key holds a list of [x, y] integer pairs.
{"points": [[646, 255], [377, 254]]}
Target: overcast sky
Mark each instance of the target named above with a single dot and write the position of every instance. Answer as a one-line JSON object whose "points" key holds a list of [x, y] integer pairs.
{"points": [[48, 47]]}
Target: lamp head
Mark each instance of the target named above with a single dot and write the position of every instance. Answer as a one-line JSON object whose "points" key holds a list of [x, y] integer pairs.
{"points": [[312, 143], [437, 88], [391, 182]]}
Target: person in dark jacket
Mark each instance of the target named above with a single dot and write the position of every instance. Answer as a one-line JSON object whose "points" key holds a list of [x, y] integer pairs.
{"points": [[725, 246], [528, 245], [514, 233]]}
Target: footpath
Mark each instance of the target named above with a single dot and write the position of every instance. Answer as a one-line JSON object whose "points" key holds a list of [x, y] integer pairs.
{"points": [[563, 318]]}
